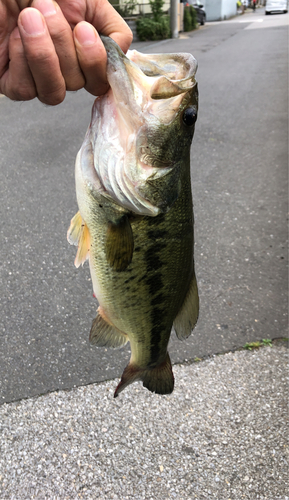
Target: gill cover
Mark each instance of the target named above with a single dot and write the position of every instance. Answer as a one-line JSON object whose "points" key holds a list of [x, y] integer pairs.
{"points": [[125, 155]]}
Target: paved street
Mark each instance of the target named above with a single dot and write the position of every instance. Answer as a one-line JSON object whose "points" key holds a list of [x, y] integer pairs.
{"points": [[239, 178]]}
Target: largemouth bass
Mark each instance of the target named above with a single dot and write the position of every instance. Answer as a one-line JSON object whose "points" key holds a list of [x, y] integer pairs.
{"points": [[135, 219]]}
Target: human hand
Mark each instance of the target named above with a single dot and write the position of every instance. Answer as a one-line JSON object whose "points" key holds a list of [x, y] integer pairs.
{"points": [[51, 47]]}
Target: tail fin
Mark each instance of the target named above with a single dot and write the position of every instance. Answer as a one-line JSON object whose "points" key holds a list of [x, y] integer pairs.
{"points": [[159, 379]]}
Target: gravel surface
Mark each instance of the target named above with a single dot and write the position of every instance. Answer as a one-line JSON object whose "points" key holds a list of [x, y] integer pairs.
{"points": [[221, 434]]}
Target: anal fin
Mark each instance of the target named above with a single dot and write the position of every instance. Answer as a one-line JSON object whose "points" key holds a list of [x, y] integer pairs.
{"points": [[187, 317], [78, 234], [159, 379], [102, 334], [119, 244]]}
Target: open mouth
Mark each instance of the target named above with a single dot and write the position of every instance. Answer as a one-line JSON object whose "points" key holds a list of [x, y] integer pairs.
{"points": [[146, 93]]}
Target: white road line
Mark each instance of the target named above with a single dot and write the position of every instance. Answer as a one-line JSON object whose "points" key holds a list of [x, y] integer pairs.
{"points": [[252, 21], [270, 22]]}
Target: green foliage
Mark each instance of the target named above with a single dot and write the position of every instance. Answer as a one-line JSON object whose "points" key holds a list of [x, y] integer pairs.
{"points": [[259, 343], [127, 9], [252, 345], [156, 27], [157, 9], [190, 18], [149, 29], [267, 342]]}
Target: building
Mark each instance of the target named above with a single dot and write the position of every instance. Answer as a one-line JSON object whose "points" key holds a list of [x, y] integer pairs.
{"points": [[219, 10]]}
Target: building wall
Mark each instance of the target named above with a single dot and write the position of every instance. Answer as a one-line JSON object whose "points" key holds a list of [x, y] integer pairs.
{"points": [[217, 10], [229, 8], [213, 9]]}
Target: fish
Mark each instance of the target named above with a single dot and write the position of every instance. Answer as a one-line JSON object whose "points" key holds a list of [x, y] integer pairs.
{"points": [[135, 222]]}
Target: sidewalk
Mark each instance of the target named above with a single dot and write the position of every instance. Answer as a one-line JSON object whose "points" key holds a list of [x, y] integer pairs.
{"points": [[220, 435]]}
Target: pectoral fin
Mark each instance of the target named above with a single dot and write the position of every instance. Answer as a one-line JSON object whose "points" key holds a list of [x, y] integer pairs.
{"points": [[119, 244], [188, 315], [78, 234], [102, 334], [75, 228]]}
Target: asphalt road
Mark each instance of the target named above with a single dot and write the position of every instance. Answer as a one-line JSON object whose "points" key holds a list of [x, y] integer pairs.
{"points": [[239, 178]]}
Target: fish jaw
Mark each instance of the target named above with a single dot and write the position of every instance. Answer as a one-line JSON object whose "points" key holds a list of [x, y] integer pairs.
{"points": [[132, 125]]}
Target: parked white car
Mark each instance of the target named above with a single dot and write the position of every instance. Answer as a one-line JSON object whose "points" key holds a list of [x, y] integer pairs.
{"points": [[276, 6]]}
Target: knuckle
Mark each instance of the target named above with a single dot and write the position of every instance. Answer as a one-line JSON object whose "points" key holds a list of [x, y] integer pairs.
{"points": [[41, 57], [73, 87], [129, 36], [60, 33], [52, 98], [22, 93], [74, 82], [97, 90]]}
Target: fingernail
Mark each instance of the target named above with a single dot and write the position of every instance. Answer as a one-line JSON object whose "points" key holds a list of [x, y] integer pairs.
{"points": [[85, 34], [46, 7], [32, 22]]}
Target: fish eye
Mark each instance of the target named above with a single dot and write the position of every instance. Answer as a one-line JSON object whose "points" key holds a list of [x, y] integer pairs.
{"points": [[190, 116]]}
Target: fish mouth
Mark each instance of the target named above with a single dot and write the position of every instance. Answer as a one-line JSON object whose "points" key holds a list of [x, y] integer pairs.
{"points": [[146, 91], [138, 80]]}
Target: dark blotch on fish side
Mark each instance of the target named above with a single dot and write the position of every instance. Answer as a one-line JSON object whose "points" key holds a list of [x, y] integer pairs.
{"points": [[155, 283], [153, 260], [154, 264], [157, 316], [157, 233], [129, 279], [159, 299]]}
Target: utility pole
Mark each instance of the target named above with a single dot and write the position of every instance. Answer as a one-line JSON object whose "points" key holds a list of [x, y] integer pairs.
{"points": [[174, 18]]}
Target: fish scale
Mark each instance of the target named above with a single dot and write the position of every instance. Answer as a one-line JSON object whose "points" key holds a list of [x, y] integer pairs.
{"points": [[140, 252]]}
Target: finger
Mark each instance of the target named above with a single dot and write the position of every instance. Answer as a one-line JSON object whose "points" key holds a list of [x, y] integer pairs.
{"points": [[24, 3], [108, 22], [62, 38], [41, 57], [102, 15], [92, 58], [17, 83]]}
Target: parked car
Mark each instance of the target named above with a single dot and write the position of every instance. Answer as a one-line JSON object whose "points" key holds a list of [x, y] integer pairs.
{"points": [[199, 8], [276, 6]]}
